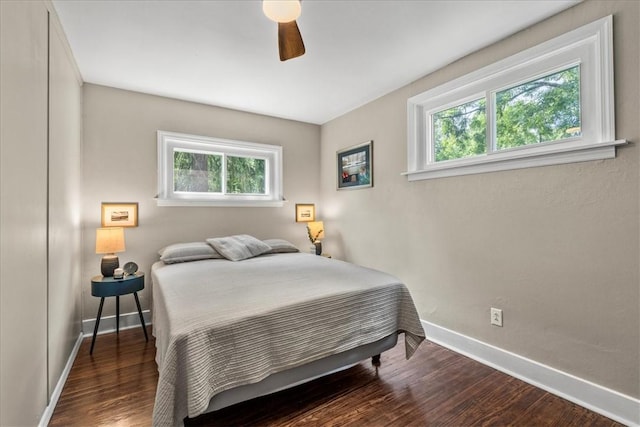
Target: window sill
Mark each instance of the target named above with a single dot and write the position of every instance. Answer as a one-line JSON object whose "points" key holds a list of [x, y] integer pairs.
{"points": [[222, 203], [519, 159]]}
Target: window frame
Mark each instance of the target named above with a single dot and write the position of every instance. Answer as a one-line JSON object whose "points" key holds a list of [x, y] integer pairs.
{"points": [[589, 46], [272, 154]]}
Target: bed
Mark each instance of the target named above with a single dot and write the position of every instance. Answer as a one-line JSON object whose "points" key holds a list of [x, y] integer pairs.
{"points": [[230, 331]]}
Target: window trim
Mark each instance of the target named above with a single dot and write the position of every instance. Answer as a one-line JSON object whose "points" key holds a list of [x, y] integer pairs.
{"points": [[168, 141], [590, 46]]}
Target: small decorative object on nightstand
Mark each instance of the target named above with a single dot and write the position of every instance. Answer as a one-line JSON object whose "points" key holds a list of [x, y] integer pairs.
{"points": [[315, 230], [103, 287], [130, 268]]}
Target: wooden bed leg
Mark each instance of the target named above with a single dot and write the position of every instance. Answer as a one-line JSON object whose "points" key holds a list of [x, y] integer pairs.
{"points": [[375, 360]]}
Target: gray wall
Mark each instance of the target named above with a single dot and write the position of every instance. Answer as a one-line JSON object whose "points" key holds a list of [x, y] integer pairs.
{"points": [[40, 236], [23, 253], [119, 161], [555, 247], [64, 229]]}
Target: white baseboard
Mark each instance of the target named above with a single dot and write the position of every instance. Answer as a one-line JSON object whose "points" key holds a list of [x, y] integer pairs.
{"points": [[48, 411], [610, 403], [108, 323]]}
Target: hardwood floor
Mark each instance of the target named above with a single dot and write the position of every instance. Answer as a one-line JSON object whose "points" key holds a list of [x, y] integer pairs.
{"points": [[437, 387]]}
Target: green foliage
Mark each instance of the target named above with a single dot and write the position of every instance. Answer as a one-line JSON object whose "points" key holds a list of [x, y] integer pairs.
{"points": [[197, 172], [546, 109], [460, 131], [200, 172], [245, 175]]}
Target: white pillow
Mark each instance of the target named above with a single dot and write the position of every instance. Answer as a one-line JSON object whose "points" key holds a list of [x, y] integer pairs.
{"points": [[280, 246], [185, 252], [239, 247]]}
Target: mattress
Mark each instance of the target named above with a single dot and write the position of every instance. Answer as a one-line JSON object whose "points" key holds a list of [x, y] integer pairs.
{"points": [[221, 324]]}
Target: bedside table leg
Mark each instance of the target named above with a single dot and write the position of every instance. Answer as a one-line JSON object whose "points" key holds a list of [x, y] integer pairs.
{"points": [[144, 327], [117, 314], [95, 329]]}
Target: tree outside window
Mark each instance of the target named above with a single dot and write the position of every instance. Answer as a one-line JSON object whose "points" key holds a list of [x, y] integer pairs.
{"points": [[542, 110]]}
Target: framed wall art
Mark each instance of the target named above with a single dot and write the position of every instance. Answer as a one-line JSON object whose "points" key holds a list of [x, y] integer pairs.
{"points": [[305, 212], [355, 166], [119, 214]]}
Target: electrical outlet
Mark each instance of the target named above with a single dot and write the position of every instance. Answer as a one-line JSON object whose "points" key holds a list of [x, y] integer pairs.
{"points": [[496, 316]]}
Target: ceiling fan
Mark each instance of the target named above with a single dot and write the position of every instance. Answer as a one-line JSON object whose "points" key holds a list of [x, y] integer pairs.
{"points": [[285, 13]]}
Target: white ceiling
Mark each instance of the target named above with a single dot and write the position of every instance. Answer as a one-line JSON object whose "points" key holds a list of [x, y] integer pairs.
{"points": [[225, 53]]}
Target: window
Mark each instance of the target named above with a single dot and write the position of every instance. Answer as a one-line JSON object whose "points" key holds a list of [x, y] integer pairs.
{"points": [[460, 131], [202, 171], [542, 110], [547, 105]]}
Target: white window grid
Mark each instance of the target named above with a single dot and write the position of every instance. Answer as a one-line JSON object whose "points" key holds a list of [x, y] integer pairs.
{"points": [[590, 47], [168, 142]]}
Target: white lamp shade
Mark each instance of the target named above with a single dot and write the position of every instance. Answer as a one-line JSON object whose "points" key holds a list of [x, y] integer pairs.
{"points": [[316, 229], [109, 240], [282, 10]]}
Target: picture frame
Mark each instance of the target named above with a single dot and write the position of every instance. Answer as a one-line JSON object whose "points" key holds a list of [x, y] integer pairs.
{"points": [[119, 214], [355, 167], [305, 212]]}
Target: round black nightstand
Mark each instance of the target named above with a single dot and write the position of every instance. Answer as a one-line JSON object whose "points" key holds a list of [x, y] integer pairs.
{"points": [[109, 287]]}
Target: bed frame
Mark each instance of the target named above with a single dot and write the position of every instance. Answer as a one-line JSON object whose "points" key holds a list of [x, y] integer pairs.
{"points": [[302, 374], [187, 379]]}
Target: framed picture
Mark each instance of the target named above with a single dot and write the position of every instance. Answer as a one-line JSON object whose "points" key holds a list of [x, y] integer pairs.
{"points": [[355, 167], [305, 212], [119, 214]]}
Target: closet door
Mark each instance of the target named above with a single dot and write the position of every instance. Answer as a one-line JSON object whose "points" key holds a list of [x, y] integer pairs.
{"points": [[23, 211]]}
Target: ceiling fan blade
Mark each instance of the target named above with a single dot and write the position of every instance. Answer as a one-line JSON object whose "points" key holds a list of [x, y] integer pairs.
{"points": [[290, 41]]}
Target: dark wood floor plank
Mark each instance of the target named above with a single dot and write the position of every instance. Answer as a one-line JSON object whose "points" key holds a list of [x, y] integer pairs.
{"points": [[568, 414], [437, 387], [114, 386]]}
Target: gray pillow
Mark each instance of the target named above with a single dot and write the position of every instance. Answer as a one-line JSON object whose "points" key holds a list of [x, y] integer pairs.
{"points": [[185, 252], [280, 246], [239, 247]]}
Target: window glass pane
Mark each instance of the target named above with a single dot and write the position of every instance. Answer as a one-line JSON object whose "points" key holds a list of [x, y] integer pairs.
{"points": [[460, 131], [546, 109], [197, 172], [245, 175]]}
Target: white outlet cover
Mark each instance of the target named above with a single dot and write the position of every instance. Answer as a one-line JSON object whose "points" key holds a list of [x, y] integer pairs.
{"points": [[496, 316]]}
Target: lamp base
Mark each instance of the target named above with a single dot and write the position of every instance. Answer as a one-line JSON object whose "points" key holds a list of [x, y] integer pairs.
{"points": [[109, 264], [318, 248]]}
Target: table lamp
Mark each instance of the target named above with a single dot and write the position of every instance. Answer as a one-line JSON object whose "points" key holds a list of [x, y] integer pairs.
{"points": [[109, 241]]}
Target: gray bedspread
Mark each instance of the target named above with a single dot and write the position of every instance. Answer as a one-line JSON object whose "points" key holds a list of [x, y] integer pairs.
{"points": [[220, 324]]}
